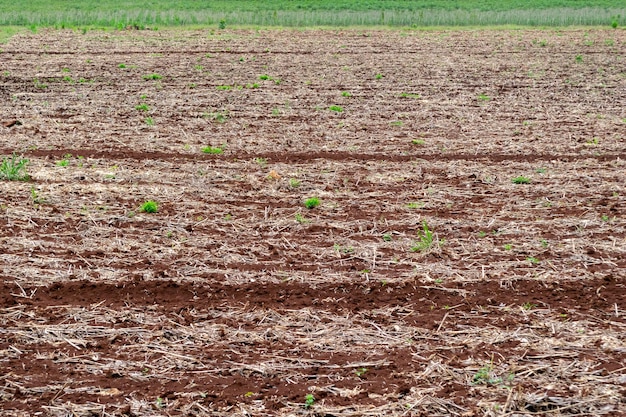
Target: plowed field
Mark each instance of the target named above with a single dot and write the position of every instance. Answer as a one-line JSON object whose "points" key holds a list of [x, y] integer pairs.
{"points": [[467, 257]]}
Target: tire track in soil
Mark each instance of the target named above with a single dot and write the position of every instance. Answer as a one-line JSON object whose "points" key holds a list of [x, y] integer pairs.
{"points": [[223, 371], [595, 297], [286, 157]]}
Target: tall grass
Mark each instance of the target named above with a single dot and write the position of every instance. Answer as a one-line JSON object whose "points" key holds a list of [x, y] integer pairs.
{"points": [[109, 13]]}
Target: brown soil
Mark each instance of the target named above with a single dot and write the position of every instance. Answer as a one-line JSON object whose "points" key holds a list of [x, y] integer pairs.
{"points": [[235, 299]]}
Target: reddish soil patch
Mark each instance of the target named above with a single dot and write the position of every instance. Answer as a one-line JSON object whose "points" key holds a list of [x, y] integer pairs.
{"points": [[236, 299]]}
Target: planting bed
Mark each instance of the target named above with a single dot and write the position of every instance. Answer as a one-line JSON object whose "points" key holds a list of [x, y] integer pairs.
{"points": [[234, 298]]}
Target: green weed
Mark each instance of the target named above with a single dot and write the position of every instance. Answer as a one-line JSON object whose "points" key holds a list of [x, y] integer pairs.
{"points": [[152, 77], [142, 107], [14, 168], [312, 202], [218, 116], [485, 376], [150, 207], [309, 400], [337, 109], [521, 180], [65, 161], [160, 402], [213, 150], [426, 240], [532, 260], [39, 84]]}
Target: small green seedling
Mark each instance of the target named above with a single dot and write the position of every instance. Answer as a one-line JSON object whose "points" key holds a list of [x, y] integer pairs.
{"points": [[528, 306], [521, 180], [142, 107], [579, 58], [360, 372], [309, 400], [294, 183], [150, 207], [484, 376], [312, 202], [300, 218], [415, 205], [532, 260], [149, 121], [418, 142], [483, 97], [39, 84], [426, 240], [378, 76], [34, 195], [218, 116], [14, 168], [213, 150], [152, 77], [122, 65], [387, 237], [160, 402], [337, 109]]}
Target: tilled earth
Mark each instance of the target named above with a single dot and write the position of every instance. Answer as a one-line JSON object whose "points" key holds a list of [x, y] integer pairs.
{"points": [[426, 282]]}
